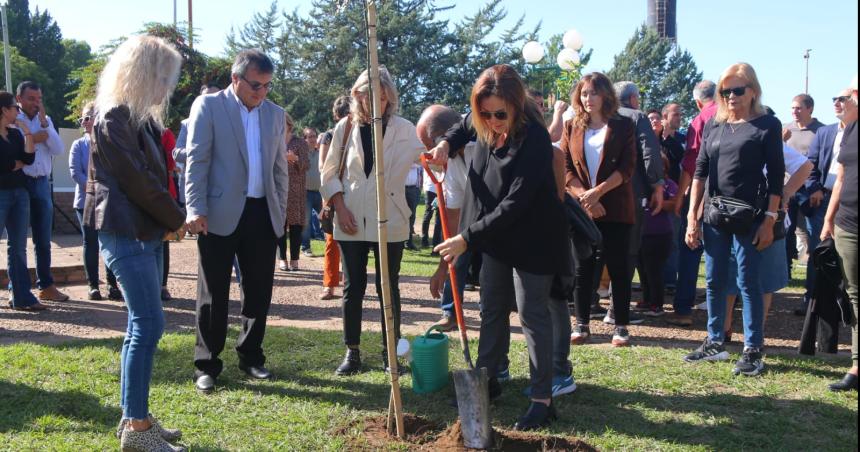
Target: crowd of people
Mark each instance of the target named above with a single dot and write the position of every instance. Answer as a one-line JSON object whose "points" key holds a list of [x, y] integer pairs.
{"points": [[543, 214]]}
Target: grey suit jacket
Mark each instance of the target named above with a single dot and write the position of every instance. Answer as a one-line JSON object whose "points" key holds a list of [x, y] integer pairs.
{"points": [[649, 162], [216, 171]]}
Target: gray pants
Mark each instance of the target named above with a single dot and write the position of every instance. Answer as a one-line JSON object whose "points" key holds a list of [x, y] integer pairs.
{"points": [[502, 286], [846, 246]]}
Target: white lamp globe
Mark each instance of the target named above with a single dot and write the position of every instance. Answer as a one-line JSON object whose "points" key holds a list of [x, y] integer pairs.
{"points": [[572, 40], [533, 52], [568, 59]]}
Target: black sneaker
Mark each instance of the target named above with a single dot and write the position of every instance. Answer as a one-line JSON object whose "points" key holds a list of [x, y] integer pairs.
{"points": [[708, 351], [114, 294], [94, 294], [751, 363], [597, 311], [632, 319]]}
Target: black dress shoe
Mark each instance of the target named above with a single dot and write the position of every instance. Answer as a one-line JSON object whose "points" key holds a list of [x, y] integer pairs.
{"points": [[351, 364], [205, 383], [848, 383], [94, 294], [537, 416], [257, 372]]}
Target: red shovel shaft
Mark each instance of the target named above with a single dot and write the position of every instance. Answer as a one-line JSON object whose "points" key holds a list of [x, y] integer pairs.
{"points": [[452, 274]]}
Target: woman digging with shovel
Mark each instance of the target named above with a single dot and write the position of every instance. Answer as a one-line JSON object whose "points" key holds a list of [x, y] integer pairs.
{"points": [[521, 228]]}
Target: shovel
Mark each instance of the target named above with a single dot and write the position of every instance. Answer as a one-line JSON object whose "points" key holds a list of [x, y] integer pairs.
{"points": [[473, 400]]}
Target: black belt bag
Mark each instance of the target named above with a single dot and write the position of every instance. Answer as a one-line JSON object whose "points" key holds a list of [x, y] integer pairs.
{"points": [[731, 215]]}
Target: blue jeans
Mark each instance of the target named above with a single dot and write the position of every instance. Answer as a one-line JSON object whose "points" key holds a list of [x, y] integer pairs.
{"points": [[138, 266], [14, 216], [461, 269], [814, 224], [718, 251], [312, 225], [688, 273], [41, 223]]}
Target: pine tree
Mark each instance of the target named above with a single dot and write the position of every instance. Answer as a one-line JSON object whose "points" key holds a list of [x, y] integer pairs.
{"points": [[663, 73]]}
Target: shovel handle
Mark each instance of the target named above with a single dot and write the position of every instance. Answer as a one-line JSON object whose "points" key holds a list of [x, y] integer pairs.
{"points": [[452, 274]]}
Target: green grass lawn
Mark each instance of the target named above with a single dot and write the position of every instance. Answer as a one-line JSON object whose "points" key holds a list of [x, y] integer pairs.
{"points": [[66, 398]]}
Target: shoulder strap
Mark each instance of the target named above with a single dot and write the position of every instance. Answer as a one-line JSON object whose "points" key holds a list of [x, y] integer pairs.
{"points": [[713, 173], [343, 147]]}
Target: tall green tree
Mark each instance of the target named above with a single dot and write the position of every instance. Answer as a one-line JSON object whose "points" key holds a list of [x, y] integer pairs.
{"points": [[663, 72]]}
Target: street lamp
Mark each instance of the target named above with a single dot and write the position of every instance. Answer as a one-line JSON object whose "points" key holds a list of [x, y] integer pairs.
{"points": [[567, 60], [806, 57], [7, 57]]}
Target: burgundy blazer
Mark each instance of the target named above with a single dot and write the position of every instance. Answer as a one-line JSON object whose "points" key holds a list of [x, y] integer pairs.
{"points": [[619, 154]]}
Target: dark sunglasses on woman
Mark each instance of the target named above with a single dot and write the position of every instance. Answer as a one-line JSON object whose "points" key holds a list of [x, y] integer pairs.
{"points": [[501, 115], [739, 91]]}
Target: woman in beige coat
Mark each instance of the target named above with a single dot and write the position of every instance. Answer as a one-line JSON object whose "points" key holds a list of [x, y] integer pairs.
{"points": [[354, 197]]}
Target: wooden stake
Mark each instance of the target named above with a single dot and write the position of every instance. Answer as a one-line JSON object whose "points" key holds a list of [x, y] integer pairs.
{"points": [[395, 401]]}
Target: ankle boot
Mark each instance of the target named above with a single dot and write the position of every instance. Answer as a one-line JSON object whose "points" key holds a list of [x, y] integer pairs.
{"points": [[351, 364], [401, 369], [146, 441]]}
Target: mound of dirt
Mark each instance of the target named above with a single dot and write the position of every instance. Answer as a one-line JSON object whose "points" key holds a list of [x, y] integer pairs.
{"points": [[426, 436]]}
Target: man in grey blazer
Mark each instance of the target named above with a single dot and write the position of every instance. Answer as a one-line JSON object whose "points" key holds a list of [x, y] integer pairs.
{"points": [[236, 197]]}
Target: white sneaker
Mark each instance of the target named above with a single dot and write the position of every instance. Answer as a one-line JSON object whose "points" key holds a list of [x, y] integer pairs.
{"points": [[703, 306]]}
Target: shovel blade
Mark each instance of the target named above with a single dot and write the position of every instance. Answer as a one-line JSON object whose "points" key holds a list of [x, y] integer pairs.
{"points": [[473, 404]]}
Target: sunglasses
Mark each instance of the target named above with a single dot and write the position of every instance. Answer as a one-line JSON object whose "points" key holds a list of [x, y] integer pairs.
{"points": [[256, 86], [501, 115], [739, 91], [840, 99]]}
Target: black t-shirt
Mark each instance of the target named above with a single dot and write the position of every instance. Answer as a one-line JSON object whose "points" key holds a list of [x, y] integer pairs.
{"points": [[674, 151], [12, 149], [846, 216], [738, 161]]}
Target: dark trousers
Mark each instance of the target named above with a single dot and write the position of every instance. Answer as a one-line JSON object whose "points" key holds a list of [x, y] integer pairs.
{"points": [[253, 243], [653, 255], [354, 257], [166, 268], [615, 254], [91, 255], [295, 233], [413, 197], [429, 208], [502, 287]]}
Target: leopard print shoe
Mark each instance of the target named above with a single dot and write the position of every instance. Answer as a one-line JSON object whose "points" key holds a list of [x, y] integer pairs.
{"points": [[169, 434], [146, 441]]}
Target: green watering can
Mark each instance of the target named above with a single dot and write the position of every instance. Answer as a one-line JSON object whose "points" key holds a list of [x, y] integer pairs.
{"points": [[429, 362]]}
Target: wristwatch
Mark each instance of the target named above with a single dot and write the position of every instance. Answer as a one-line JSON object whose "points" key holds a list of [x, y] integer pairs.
{"points": [[773, 215]]}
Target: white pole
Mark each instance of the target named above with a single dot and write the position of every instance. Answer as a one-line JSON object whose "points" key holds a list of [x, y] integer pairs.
{"points": [[6, 55]]}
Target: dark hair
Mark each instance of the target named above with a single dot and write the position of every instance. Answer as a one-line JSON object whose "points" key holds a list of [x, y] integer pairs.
{"points": [[25, 85], [533, 93], [604, 87], [806, 100], [252, 58], [340, 108], [504, 82], [7, 100], [654, 110]]}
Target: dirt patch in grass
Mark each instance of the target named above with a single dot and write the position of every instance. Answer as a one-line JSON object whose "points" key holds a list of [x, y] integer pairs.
{"points": [[426, 436]]}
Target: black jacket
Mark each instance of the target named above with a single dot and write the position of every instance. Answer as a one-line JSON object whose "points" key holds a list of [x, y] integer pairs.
{"points": [[512, 211], [830, 304], [127, 187]]}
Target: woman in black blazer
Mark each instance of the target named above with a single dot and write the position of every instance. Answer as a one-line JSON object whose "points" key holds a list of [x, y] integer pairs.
{"points": [[521, 227]]}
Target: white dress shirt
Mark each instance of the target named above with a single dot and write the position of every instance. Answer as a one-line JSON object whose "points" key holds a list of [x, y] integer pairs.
{"points": [[44, 151], [456, 180], [594, 141], [251, 124], [830, 181]]}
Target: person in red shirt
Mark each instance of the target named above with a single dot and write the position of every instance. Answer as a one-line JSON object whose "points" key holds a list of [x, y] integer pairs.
{"points": [[168, 142]]}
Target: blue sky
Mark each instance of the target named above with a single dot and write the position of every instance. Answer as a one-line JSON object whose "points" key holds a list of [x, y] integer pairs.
{"points": [[770, 35]]}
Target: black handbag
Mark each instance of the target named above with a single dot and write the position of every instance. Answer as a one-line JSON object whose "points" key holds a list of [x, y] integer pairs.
{"points": [[326, 216], [587, 238]]}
